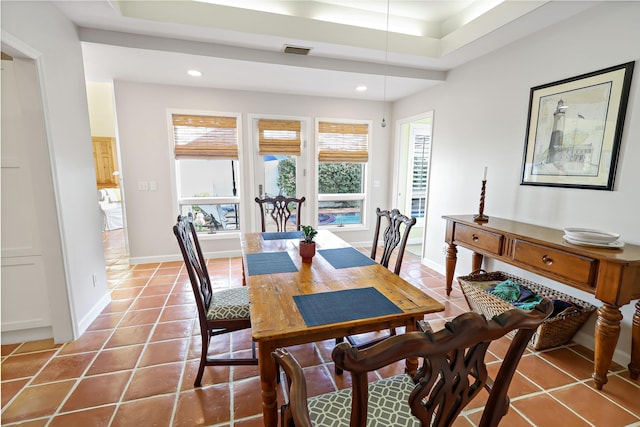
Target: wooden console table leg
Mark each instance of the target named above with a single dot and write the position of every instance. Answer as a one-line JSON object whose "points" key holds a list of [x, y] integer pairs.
{"points": [[451, 260], [606, 337], [634, 366], [476, 261]]}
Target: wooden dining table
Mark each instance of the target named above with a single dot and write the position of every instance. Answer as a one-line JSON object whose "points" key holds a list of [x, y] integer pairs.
{"points": [[279, 283]]}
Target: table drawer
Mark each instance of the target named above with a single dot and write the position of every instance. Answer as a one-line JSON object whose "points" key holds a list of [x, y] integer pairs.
{"points": [[573, 267], [485, 241]]}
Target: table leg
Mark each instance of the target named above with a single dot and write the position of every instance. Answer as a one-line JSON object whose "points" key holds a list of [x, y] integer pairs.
{"points": [[634, 366], [476, 261], [267, 368], [411, 362], [450, 266], [607, 332]]}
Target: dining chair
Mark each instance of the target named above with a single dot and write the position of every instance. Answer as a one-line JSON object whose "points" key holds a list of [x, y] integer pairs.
{"points": [[395, 236], [452, 372], [219, 312], [280, 208]]}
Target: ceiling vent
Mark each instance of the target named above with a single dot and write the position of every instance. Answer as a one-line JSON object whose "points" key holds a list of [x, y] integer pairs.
{"points": [[296, 50]]}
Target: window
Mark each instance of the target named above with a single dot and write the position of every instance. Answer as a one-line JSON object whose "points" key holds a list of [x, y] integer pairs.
{"points": [[343, 153], [206, 165]]}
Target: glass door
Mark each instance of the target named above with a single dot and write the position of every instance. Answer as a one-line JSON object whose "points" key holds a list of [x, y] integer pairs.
{"points": [[279, 164]]}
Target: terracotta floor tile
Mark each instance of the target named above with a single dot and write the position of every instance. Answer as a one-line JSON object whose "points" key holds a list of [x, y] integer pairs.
{"points": [[126, 293], [9, 389], [250, 422], [247, 398], [39, 345], [105, 321], [129, 336], [178, 312], [116, 359], [157, 353], [570, 362], [155, 411], [156, 301], [543, 410], [24, 365], [623, 391], [154, 380], [36, 401], [542, 373], [94, 417], [97, 391], [593, 406], [64, 367], [180, 298], [7, 349], [519, 386], [203, 406], [140, 317], [89, 341], [162, 280], [149, 291], [117, 306], [305, 354], [212, 375], [172, 330]]}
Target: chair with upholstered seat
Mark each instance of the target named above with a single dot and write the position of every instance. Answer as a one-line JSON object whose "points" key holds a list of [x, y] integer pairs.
{"points": [[280, 209], [452, 372], [219, 312], [395, 236]]}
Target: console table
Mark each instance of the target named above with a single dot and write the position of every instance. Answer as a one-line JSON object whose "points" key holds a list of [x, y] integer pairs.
{"points": [[612, 275]]}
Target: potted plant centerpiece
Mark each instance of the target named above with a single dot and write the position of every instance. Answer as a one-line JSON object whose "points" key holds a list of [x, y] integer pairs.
{"points": [[308, 246]]}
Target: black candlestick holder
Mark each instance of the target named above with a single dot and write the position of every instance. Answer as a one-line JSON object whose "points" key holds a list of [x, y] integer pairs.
{"points": [[481, 217]]}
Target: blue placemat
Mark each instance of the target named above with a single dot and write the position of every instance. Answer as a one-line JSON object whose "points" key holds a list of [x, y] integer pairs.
{"points": [[282, 235], [345, 257], [342, 306], [270, 262]]}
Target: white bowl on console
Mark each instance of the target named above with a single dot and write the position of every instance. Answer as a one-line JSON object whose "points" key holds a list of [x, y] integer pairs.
{"points": [[589, 235]]}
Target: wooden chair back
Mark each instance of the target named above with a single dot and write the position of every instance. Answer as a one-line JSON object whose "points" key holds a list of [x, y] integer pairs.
{"points": [[452, 373], [280, 209], [395, 236]]}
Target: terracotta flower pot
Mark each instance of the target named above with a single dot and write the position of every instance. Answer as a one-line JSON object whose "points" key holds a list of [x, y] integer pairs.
{"points": [[307, 251]]}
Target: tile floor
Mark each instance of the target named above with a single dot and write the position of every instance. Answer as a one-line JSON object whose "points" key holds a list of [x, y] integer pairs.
{"points": [[135, 365]]}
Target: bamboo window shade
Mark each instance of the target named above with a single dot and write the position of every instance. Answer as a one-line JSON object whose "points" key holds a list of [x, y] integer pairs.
{"points": [[343, 142], [279, 137], [205, 137]]}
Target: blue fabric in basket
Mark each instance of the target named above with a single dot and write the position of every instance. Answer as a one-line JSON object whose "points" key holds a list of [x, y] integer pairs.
{"points": [[342, 306], [345, 257], [270, 262], [282, 235]]}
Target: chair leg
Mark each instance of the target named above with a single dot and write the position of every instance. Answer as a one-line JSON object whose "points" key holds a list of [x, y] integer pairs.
{"points": [[338, 370]]}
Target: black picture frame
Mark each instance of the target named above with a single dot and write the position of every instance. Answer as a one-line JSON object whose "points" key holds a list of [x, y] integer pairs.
{"points": [[574, 129]]}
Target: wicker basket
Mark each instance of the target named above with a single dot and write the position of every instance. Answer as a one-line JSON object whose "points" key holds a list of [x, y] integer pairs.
{"points": [[552, 332]]}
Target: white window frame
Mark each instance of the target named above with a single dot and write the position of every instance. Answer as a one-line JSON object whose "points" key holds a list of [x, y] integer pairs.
{"points": [[178, 201], [343, 196]]}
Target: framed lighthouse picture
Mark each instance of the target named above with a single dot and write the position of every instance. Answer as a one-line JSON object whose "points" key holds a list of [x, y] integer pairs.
{"points": [[574, 130]]}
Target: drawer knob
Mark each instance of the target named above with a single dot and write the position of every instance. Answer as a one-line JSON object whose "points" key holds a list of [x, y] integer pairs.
{"points": [[547, 260], [475, 237]]}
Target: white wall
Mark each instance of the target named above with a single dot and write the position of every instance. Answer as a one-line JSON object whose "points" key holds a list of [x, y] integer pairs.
{"points": [[39, 31], [101, 114], [480, 116], [146, 155]]}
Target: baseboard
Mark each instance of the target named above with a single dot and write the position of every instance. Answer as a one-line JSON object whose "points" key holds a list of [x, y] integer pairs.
{"points": [[33, 334], [93, 314]]}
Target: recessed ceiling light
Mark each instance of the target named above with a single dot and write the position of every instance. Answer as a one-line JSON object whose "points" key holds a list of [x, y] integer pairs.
{"points": [[361, 88], [194, 73]]}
